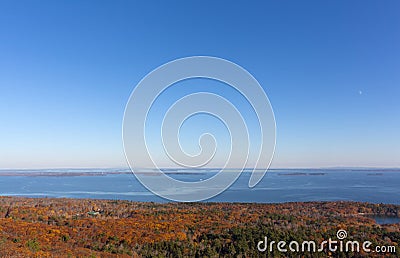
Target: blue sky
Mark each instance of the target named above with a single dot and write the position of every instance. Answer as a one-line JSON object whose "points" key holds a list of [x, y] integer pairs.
{"points": [[330, 69]]}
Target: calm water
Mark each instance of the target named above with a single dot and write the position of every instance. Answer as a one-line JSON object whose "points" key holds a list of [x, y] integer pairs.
{"points": [[378, 186], [383, 220]]}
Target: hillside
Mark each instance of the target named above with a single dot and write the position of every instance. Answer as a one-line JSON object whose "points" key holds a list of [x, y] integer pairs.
{"points": [[103, 228]]}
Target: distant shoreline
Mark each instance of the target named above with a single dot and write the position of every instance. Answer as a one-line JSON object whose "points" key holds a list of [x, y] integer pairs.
{"points": [[68, 174], [170, 171]]}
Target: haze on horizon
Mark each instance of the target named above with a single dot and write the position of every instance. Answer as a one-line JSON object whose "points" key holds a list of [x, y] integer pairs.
{"points": [[330, 69]]}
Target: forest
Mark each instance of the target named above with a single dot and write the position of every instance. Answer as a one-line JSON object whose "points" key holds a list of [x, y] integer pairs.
{"points": [[46, 227]]}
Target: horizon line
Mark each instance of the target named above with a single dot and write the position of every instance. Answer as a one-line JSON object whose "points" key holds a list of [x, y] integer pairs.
{"points": [[209, 168]]}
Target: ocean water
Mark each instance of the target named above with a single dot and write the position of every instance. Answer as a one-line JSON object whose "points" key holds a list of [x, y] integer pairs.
{"points": [[384, 220], [279, 185]]}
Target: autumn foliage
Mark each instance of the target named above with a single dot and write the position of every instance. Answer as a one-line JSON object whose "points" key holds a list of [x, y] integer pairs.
{"points": [[104, 228]]}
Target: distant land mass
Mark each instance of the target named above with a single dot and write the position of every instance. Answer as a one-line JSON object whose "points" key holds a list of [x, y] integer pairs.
{"points": [[174, 171]]}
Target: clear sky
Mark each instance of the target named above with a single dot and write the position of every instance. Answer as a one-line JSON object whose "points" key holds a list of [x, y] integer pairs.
{"points": [[330, 68]]}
